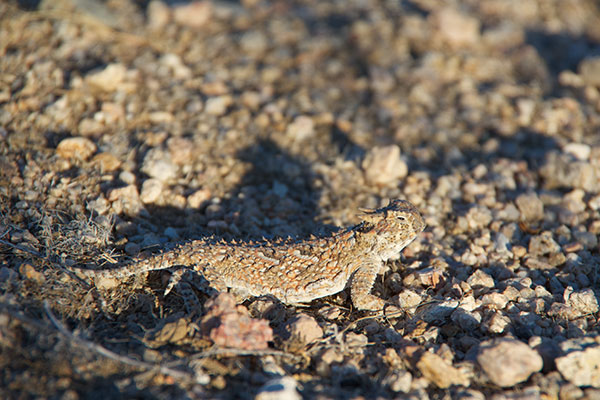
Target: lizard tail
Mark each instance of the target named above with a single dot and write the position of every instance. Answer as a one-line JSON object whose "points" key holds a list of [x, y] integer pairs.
{"points": [[159, 261]]}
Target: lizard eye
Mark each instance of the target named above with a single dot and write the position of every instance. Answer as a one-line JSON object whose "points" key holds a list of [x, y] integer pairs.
{"points": [[401, 217]]}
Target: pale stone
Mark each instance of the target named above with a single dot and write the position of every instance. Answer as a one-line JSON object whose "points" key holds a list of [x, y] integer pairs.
{"points": [[76, 148], [384, 166]]}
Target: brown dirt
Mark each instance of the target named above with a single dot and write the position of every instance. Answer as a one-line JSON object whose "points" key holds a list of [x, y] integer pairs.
{"points": [[261, 118]]}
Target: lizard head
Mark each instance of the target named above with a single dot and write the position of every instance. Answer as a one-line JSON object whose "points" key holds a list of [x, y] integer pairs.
{"points": [[389, 229]]}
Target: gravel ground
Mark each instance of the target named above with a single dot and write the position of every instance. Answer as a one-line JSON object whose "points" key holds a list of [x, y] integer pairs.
{"points": [[128, 125]]}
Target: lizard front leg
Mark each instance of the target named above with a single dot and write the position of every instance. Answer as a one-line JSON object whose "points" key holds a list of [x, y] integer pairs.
{"points": [[361, 285]]}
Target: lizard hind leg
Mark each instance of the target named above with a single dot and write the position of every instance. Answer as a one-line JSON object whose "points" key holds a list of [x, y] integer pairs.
{"points": [[360, 288], [184, 281]]}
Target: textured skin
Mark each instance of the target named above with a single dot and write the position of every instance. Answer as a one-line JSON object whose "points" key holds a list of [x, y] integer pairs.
{"points": [[296, 271]]}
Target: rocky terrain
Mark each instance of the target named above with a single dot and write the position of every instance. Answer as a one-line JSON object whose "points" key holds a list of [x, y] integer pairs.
{"points": [[127, 126]]}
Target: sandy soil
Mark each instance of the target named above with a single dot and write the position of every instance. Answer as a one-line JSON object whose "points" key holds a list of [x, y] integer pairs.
{"points": [[127, 126]]}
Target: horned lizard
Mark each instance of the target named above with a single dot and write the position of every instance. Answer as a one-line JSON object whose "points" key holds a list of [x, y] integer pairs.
{"points": [[295, 271]]}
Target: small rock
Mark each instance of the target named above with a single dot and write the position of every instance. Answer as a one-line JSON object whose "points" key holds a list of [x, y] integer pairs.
{"points": [[580, 151], [218, 225], [218, 105], [99, 205], [398, 381], [519, 251], [159, 14], [303, 330], [173, 332], [214, 88], [437, 371], [283, 388], [510, 213], [90, 127], [530, 206], [437, 313], [547, 348], [151, 190], [7, 275], [581, 364], [110, 114], [126, 228], [171, 233], [255, 43], [497, 323], [394, 282], [125, 199], [569, 391], [573, 201], [541, 292], [158, 164], [132, 249], [112, 78], [587, 239], [467, 320], [181, 150], [268, 308], [127, 177], [542, 244], [279, 189], [507, 362], [594, 203], [563, 311], [303, 127], [176, 66], [230, 325], [408, 299], [456, 28], [560, 171], [331, 355], [107, 162], [193, 14], [589, 70], [251, 99], [177, 200], [466, 343], [151, 240], [384, 166], [30, 273], [478, 217], [428, 277], [356, 340], [526, 108], [161, 117], [481, 282], [495, 300], [536, 263], [199, 198], [106, 283], [583, 301], [76, 148], [501, 244]]}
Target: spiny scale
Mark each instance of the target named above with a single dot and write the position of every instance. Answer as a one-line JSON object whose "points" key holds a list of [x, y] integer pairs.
{"points": [[295, 271]]}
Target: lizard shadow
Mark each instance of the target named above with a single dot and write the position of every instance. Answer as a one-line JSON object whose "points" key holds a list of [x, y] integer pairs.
{"points": [[277, 196]]}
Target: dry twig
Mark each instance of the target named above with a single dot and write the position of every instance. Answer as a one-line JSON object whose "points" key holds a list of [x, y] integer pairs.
{"points": [[176, 374]]}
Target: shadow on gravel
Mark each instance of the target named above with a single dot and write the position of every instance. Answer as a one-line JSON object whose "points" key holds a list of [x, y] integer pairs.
{"points": [[279, 186], [525, 145], [350, 150], [276, 197], [560, 51]]}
